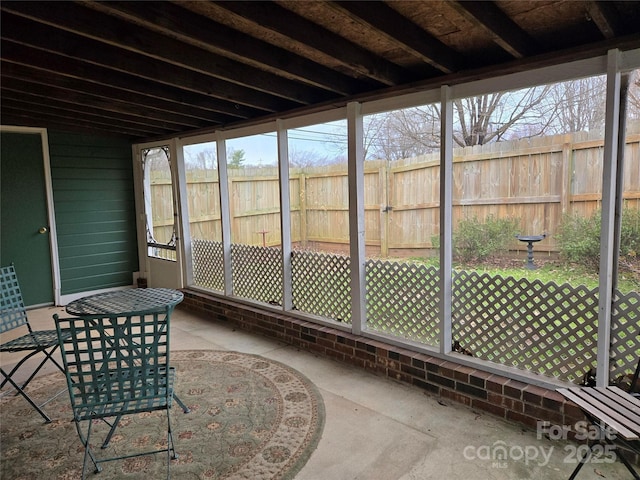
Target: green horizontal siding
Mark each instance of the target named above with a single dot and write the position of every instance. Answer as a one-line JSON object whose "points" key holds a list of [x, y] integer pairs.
{"points": [[95, 211]]}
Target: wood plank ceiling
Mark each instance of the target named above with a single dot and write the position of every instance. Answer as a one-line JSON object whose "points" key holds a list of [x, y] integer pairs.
{"points": [[153, 69]]}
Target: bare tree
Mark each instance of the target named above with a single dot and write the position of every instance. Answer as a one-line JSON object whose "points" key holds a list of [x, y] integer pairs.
{"points": [[579, 105], [402, 133], [200, 160], [633, 96], [479, 120], [306, 158], [487, 118]]}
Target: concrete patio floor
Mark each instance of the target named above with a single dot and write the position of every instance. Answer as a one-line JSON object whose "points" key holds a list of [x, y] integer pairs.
{"points": [[377, 429]]}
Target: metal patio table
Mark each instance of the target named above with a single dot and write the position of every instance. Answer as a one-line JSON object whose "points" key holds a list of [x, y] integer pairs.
{"points": [[129, 302], [134, 301]]}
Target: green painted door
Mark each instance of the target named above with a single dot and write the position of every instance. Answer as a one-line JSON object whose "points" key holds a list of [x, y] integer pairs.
{"points": [[23, 215]]}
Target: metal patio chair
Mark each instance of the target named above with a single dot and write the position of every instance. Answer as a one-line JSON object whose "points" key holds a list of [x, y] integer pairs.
{"points": [[14, 316], [117, 366]]}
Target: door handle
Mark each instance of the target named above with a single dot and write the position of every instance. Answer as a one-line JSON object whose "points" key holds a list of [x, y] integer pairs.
{"points": [[43, 230]]}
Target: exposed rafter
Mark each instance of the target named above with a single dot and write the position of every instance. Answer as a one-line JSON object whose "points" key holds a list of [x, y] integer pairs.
{"points": [[504, 31], [400, 30], [159, 69], [215, 37], [273, 17], [605, 17], [161, 55]]}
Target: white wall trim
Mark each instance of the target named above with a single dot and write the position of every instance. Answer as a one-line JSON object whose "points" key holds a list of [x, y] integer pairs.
{"points": [[51, 214]]}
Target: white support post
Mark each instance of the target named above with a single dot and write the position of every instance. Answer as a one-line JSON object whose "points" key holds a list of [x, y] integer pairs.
{"points": [[609, 177], [356, 216], [622, 128], [446, 205], [285, 215], [183, 229], [225, 215]]}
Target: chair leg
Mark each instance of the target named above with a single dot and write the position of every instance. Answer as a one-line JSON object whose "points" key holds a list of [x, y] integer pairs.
{"points": [[171, 449], [628, 465], [583, 460], [105, 444], [48, 356], [88, 454], [25, 396], [18, 365], [184, 408]]}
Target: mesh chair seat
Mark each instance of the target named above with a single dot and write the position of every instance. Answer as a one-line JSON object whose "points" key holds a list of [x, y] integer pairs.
{"points": [[35, 340], [114, 393]]}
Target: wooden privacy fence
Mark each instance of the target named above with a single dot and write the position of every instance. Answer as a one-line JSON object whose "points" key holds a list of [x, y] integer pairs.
{"points": [[536, 181]]}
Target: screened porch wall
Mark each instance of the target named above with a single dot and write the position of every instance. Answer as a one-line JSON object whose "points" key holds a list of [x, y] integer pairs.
{"points": [[530, 330]]}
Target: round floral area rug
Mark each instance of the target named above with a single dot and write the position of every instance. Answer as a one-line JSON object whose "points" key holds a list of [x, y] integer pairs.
{"points": [[251, 418]]}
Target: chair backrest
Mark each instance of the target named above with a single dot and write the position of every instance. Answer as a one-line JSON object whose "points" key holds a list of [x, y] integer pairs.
{"points": [[130, 354], [12, 311]]}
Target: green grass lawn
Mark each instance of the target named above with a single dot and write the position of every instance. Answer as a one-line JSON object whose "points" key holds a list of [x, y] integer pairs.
{"points": [[548, 271], [560, 274]]}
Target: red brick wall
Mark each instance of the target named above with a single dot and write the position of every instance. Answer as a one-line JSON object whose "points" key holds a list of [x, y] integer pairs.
{"points": [[506, 398]]}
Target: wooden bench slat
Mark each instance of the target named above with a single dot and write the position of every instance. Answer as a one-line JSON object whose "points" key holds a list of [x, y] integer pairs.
{"points": [[629, 401], [576, 395], [607, 409], [621, 411], [625, 403]]}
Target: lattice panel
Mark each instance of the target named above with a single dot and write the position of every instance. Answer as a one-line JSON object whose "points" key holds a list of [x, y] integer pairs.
{"points": [[257, 273], [321, 284], [625, 334], [208, 264], [402, 300], [543, 328]]}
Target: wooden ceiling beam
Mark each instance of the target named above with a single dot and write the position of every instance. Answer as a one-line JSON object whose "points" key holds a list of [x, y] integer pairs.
{"points": [[27, 119], [106, 41], [70, 100], [16, 100], [271, 16], [504, 31], [102, 95], [104, 82], [400, 30], [53, 115], [605, 17], [175, 21]]}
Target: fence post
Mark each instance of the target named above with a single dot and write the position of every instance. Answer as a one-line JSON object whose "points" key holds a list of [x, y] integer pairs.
{"points": [[567, 176], [383, 188], [303, 209], [232, 212]]}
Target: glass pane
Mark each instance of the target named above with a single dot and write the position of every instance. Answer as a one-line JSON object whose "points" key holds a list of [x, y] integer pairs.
{"points": [[203, 198], [527, 188], [320, 220], [254, 204], [158, 197], [402, 225]]}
